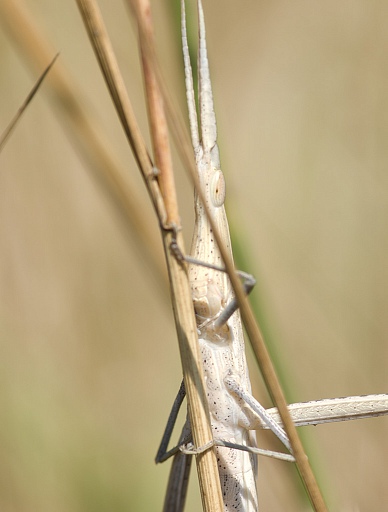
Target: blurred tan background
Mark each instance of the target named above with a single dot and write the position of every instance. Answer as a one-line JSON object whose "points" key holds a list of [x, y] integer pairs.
{"points": [[89, 360]]}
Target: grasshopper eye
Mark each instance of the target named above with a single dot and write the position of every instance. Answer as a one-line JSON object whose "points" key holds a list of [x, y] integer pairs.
{"points": [[217, 189]]}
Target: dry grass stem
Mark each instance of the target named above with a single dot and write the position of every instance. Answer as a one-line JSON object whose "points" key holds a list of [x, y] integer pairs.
{"points": [[167, 211], [7, 132], [102, 47], [156, 115], [191, 360], [181, 296]]}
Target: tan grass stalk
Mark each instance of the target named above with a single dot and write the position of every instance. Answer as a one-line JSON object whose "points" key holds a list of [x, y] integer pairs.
{"points": [[167, 210], [156, 115], [11, 126]]}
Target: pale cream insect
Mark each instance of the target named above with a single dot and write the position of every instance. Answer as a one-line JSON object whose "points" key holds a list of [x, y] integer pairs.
{"points": [[235, 414], [222, 348]]}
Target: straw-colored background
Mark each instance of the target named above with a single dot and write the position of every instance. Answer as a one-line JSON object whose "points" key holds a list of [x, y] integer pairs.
{"points": [[89, 361]]}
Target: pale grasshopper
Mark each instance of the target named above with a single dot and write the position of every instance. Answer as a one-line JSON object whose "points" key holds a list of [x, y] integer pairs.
{"points": [[234, 411], [318, 405]]}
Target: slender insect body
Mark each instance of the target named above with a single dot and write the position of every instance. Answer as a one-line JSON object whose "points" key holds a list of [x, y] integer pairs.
{"points": [[222, 355], [237, 469], [234, 412], [222, 351], [222, 347]]}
